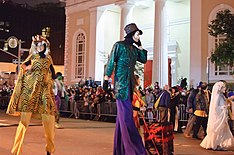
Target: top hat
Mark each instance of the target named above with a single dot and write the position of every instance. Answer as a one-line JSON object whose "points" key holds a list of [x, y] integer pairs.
{"points": [[131, 28]]}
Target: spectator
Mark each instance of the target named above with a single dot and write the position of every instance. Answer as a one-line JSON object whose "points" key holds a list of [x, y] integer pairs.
{"points": [[149, 100], [57, 92], [191, 106], [201, 112], [164, 104], [137, 103], [174, 103]]}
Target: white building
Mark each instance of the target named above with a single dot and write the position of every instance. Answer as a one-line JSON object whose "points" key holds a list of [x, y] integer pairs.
{"points": [[174, 32]]}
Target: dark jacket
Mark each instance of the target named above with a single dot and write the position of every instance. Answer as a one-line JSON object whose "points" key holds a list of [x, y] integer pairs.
{"points": [[191, 102], [165, 99], [202, 101]]}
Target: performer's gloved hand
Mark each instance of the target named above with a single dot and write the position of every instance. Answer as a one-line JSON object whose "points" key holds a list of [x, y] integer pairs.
{"points": [[28, 63], [42, 54], [138, 43], [105, 85], [52, 72]]}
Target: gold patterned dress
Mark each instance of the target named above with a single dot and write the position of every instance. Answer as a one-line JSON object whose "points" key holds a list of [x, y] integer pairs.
{"points": [[33, 91]]}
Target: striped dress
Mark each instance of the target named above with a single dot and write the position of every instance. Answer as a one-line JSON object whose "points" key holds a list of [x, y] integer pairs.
{"points": [[33, 91]]}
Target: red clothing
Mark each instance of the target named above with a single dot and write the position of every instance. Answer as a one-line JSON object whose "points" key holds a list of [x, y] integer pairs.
{"points": [[137, 102]]}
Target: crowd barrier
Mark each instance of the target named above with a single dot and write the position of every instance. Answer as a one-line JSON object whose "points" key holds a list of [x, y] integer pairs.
{"points": [[99, 110], [4, 100], [109, 109], [92, 111]]}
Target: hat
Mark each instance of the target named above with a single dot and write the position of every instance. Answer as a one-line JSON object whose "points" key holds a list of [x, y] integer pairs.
{"points": [[200, 84], [130, 28], [40, 38], [37, 39]]}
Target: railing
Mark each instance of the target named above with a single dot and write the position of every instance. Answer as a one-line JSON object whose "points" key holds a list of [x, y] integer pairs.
{"points": [[92, 111], [109, 109], [4, 100], [99, 110], [183, 115]]}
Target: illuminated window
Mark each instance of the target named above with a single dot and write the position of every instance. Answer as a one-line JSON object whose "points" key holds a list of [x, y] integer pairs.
{"points": [[222, 70], [80, 56], [215, 72]]}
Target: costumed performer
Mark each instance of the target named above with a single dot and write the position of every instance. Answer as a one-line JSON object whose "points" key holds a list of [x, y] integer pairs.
{"points": [[33, 94], [127, 140]]}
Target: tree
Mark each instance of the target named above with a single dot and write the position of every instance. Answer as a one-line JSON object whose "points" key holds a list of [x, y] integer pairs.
{"points": [[223, 27]]}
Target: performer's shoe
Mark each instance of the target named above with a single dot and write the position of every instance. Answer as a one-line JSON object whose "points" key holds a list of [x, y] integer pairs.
{"points": [[58, 126], [187, 135]]}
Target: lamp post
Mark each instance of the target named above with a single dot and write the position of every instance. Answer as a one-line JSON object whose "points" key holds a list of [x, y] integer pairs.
{"points": [[19, 55], [13, 42]]}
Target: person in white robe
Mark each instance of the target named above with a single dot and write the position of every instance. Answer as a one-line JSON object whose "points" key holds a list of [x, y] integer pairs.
{"points": [[219, 136]]}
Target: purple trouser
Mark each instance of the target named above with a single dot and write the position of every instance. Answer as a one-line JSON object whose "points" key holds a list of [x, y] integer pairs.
{"points": [[127, 140], [57, 102]]}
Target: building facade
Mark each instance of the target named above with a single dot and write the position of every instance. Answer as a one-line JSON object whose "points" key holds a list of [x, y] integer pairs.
{"points": [[175, 33]]}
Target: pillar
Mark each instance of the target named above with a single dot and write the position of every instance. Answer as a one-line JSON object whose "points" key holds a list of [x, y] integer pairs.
{"points": [[126, 15], [95, 15], [195, 43], [160, 56], [100, 45]]}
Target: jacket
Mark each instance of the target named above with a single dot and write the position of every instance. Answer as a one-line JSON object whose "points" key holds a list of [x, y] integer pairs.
{"points": [[165, 99], [201, 104], [191, 102], [123, 59]]}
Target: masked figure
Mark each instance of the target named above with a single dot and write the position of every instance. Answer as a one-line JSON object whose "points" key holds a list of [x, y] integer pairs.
{"points": [[33, 94], [219, 136], [123, 59]]}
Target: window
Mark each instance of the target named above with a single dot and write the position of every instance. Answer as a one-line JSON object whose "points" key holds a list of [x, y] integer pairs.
{"points": [[221, 70], [217, 72], [4, 26], [80, 56]]}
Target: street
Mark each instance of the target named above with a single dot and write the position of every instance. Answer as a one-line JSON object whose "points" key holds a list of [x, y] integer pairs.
{"points": [[81, 137]]}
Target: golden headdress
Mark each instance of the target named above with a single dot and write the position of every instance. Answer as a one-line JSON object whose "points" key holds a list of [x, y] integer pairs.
{"points": [[35, 40]]}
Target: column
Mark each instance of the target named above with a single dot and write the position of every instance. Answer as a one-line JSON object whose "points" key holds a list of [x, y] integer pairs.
{"points": [[67, 69], [126, 15], [95, 15], [195, 43], [100, 45], [160, 56]]}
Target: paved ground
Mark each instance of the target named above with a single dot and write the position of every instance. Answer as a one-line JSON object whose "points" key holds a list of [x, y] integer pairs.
{"points": [[81, 137]]}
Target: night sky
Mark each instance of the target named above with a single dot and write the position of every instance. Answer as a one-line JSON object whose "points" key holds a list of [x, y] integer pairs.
{"points": [[33, 2]]}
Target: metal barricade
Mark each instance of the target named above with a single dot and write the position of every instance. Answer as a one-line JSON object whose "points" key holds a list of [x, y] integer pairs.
{"points": [[92, 111], [4, 101], [183, 115], [109, 109]]}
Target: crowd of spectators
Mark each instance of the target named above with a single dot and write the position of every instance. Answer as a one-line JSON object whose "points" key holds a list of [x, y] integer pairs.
{"points": [[5, 93], [90, 97]]}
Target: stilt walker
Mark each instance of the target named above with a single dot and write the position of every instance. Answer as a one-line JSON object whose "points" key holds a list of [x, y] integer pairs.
{"points": [[127, 140], [33, 94]]}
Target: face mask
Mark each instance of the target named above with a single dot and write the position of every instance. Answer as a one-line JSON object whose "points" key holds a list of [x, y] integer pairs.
{"points": [[136, 36]]}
